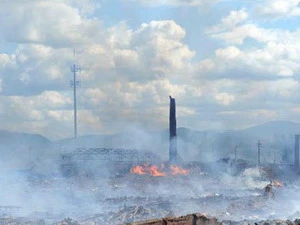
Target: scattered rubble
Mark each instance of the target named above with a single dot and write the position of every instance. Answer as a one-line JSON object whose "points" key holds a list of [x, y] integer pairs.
{"points": [[20, 221], [68, 221], [200, 219], [132, 213], [191, 219], [131, 198]]}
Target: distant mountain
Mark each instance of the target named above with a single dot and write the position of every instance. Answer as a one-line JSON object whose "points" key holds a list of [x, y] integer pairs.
{"points": [[21, 150], [273, 128], [277, 138], [8, 138], [87, 140]]}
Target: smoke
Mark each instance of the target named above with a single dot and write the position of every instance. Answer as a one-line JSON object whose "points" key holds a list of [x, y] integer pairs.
{"points": [[33, 179]]}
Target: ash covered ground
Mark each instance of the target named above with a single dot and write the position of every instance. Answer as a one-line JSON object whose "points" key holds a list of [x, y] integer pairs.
{"points": [[218, 190]]}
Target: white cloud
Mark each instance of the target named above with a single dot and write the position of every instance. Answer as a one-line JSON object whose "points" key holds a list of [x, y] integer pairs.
{"points": [[128, 72], [185, 111], [279, 8], [232, 20], [284, 88], [238, 34], [122, 70], [224, 98], [174, 2], [160, 46], [264, 113], [5, 59], [228, 53], [274, 59], [272, 52], [235, 18], [54, 23]]}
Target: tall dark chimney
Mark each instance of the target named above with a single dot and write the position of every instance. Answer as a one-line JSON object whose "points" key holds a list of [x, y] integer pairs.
{"points": [[173, 141], [297, 151]]}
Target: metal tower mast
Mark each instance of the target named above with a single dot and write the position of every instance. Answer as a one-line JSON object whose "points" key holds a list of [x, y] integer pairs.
{"points": [[75, 69]]}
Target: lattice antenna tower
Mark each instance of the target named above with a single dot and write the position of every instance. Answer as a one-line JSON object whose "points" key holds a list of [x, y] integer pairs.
{"points": [[74, 83]]}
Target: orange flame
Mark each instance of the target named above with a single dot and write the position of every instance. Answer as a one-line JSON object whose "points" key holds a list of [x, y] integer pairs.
{"points": [[277, 183], [156, 171], [137, 170], [175, 170]]}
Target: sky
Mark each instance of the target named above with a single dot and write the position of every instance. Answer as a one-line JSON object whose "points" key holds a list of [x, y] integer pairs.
{"points": [[230, 64]]}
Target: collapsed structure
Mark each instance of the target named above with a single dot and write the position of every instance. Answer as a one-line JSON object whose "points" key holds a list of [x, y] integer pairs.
{"points": [[123, 159], [81, 159], [130, 197], [87, 161]]}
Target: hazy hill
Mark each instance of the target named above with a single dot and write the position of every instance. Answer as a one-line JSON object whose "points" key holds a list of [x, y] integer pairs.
{"points": [[274, 128], [277, 138], [19, 150], [17, 139]]}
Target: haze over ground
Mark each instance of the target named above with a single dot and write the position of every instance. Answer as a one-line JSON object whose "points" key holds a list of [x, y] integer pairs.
{"points": [[24, 151]]}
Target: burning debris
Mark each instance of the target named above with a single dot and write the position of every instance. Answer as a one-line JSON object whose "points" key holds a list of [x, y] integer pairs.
{"points": [[268, 190], [159, 171], [175, 170], [145, 196], [122, 186], [277, 183], [154, 170]]}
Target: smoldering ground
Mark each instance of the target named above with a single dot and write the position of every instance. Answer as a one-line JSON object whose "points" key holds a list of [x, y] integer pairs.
{"points": [[33, 181]]}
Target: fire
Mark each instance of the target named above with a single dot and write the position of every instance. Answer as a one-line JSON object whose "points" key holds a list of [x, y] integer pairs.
{"points": [[147, 169], [277, 183], [175, 170], [158, 171], [137, 170], [154, 171]]}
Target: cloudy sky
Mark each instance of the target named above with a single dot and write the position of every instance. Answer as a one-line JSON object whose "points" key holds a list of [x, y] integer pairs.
{"points": [[230, 64]]}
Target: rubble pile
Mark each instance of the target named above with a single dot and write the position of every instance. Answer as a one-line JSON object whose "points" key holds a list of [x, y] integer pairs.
{"points": [[20, 221], [200, 219], [249, 208], [191, 219], [132, 213], [68, 221], [130, 198]]}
